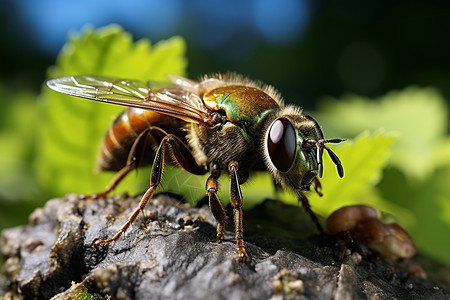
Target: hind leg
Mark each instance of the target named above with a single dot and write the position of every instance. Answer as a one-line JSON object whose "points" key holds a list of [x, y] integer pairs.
{"points": [[134, 157], [183, 156]]}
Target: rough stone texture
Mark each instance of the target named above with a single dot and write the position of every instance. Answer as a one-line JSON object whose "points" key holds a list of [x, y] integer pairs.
{"points": [[171, 252]]}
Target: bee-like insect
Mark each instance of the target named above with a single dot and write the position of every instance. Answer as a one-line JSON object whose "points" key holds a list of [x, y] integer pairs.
{"points": [[223, 123]]}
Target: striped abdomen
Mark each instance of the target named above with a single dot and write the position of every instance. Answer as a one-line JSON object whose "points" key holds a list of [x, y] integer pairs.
{"points": [[125, 129]]}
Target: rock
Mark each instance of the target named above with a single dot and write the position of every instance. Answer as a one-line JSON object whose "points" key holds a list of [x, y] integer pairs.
{"points": [[171, 252]]}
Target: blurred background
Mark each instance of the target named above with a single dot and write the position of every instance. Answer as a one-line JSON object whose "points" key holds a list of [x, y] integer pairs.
{"points": [[309, 50], [306, 49]]}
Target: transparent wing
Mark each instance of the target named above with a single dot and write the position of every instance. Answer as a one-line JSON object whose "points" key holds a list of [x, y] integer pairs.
{"points": [[165, 97]]}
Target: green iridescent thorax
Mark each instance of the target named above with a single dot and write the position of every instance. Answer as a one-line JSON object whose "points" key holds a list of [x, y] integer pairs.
{"points": [[240, 103]]}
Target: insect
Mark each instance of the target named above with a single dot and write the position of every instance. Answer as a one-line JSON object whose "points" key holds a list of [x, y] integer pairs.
{"points": [[221, 124]]}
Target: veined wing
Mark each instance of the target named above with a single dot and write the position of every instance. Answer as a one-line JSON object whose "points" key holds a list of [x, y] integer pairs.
{"points": [[164, 97]]}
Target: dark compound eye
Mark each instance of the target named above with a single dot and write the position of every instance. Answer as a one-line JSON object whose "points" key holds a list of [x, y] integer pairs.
{"points": [[281, 144]]}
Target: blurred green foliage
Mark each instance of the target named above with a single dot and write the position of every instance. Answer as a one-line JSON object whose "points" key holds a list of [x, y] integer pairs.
{"points": [[418, 115], [18, 186], [397, 158]]}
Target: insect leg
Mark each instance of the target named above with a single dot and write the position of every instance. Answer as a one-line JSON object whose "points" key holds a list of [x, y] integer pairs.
{"points": [[307, 208], [215, 205], [318, 187], [237, 201], [136, 153], [178, 147]]}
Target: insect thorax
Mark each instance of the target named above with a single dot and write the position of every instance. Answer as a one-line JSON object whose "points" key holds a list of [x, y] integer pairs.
{"points": [[223, 144]]}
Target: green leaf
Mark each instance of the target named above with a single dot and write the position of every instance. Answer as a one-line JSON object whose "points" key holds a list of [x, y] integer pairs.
{"points": [[428, 203], [71, 129], [418, 115]]}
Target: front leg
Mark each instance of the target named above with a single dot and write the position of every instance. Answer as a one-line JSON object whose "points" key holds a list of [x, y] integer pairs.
{"points": [[215, 205], [237, 201], [309, 211]]}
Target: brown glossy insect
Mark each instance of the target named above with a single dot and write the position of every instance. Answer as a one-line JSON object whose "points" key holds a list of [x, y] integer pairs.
{"points": [[221, 124]]}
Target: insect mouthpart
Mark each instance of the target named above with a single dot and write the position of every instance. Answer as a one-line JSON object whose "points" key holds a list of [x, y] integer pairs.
{"points": [[307, 180]]}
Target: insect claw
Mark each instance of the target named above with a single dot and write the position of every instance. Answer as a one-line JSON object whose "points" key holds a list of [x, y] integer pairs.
{"points": [[318, 187], [103, 243], [92, 196]]}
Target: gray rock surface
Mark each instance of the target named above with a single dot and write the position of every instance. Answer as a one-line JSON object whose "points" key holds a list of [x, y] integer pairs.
{"points": [[171, 252]]}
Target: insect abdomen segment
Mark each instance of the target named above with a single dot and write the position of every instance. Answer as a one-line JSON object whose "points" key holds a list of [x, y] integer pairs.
{"points": [[121, 135]]}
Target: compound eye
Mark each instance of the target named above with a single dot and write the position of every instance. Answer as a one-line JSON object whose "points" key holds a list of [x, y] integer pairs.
{"points": [[281, 144]]}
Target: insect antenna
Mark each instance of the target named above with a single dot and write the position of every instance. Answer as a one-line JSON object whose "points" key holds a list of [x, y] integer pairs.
{"points": [[320, 145], [336, 161]]}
